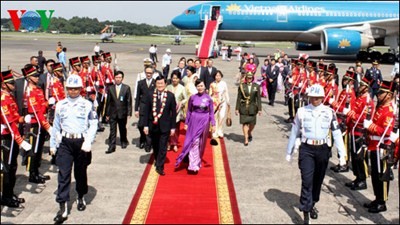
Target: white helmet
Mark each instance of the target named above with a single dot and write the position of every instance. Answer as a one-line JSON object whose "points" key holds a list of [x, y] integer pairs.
{"points": [[316, 91], [74, 81], [168, 50]]}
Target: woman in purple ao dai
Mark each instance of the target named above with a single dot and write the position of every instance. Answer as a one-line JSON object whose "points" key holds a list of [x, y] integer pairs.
{"points": [[199, 116]]}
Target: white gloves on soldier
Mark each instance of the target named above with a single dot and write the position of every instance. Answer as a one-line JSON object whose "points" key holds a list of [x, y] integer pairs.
{"points": [[367, 123], [342, 161], [346, 110], [394, 136], [50, 130], [86, 146], [25, 146], [53, 151], [331, 100], [288, 158]]}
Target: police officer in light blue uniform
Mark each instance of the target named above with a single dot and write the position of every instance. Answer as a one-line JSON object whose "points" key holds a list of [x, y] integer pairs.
{"points": [[312, 125], [74, 130]]}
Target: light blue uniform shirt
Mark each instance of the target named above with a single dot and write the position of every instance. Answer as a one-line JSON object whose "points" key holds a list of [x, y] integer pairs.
{"points": [[314, 123], [75, 116]]}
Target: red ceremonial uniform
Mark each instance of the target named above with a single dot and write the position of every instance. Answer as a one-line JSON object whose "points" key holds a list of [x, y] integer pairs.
{"points": [[299, 79], [340, 103], [331, 91], [108, 73], [360, 108], [381, 119], [10, 110], [313, 78], [37, 105], [57, 89]]}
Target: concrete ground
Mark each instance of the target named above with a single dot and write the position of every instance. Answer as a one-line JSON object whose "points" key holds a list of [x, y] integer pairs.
{"points": [[267, 187]]}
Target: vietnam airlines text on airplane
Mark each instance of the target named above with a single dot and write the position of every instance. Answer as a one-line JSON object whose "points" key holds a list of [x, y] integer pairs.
{"points": [[341, 28]]}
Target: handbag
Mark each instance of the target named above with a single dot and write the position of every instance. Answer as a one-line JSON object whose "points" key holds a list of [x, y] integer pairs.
{"points": [[228, 117]]}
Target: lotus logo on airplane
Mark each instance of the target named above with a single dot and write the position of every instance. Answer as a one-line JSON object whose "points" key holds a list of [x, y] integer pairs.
{"points": [[233, 8], [344, 43]]}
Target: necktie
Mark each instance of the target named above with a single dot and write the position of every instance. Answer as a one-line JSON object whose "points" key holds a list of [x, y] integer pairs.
{"points": [[118, 87], [158, 101]]}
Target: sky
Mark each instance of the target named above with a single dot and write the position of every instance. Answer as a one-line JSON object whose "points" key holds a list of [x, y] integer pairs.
{"points": [[159, 13]]}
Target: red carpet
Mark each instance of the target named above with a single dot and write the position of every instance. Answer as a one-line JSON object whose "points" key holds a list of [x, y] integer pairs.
{"points": [[178, 197], [207, 39]]}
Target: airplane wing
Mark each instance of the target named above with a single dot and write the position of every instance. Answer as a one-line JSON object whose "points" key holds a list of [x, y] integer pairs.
{"points": [[390, 25], [173, 35]]}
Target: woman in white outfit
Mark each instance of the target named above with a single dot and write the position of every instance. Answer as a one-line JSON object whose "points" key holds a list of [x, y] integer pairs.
{"points": [[220, 96]]}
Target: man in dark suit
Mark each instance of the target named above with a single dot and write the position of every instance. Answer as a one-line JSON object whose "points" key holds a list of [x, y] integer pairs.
{"points": [[144, 87], [208, 75], [199, 68], [119, 109], [160, 115], [272, 79]]}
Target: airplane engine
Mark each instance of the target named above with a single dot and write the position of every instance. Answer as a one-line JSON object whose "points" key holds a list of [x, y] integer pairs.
{"points": [[302, 46], [344, 42]]}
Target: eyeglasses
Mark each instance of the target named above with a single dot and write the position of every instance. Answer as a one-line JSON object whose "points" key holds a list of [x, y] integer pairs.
{"points": [[149, 72]]}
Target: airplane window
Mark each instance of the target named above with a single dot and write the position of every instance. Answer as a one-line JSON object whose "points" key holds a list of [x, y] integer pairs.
{"points": [[192, 12]]}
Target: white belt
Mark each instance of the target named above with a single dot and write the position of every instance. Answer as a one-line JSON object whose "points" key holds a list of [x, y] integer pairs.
{"points": [[72, 136], [377, 138], [313, 142]]}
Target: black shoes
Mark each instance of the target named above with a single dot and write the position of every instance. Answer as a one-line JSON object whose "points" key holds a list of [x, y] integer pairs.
{"points": [[10, 202], [81, 204], [250, 138], [289, 120], [20, 200], [100, 129], [377, 208], [340, 169], [306, 217], [161, 172], [141, 145], [110, 150], [314, 213], [36, 179], [124, 145], [44, 177], [371, 204], [147, 148], [361, 185], [62, 214], [351, 184]]}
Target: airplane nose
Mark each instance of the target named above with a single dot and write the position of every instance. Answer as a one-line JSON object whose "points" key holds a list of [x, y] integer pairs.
{"points": [[177, 21]]}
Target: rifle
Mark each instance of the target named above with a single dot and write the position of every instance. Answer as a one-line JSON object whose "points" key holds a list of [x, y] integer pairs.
{"points": [[330, 91], [364, 146], [343, 125]]}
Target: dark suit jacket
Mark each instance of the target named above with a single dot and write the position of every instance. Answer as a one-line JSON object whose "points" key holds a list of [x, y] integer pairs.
{"points": [[208, 77], [272, 74], [167, 120], [141, 93], [19, 94], [115, 108]]}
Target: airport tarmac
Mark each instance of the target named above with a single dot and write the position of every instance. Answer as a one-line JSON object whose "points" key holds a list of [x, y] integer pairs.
{"points": [[267, 187]]}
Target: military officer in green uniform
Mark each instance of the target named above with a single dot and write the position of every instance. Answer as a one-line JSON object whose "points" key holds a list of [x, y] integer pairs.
{"points": [[248, 105]]}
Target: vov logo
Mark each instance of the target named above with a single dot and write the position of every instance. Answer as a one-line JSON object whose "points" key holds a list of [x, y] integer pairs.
{"points": [[30, 20]]}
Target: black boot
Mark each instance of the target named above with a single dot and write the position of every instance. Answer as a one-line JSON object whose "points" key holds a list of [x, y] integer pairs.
{"points": [[81, 204], [9, 202], [306, 217], [62, 214], [34, 178]]}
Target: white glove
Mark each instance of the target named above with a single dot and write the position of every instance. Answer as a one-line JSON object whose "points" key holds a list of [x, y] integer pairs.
{"points": [[88, 89], [288, 158], [28, 119], [331, 100], [367, 123], [346, 110], [107, 80], [342, 161], [300, 84], [394, 136], [97, 83], [53, 151], [3, 127], [307, 90], [290, 80], [25, 146], [52, 101], [50, 130], [95, 103], [86, 146]]}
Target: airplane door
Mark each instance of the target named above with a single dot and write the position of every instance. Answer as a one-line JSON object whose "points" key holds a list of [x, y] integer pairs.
{"points": [[205, 11], [281, 15]]}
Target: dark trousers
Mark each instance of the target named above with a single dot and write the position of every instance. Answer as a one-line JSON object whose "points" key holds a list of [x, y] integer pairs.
{"points": [[271, 88], [313, 161], [357, 154], [381, 189], [10, 170], [69, 153], [293, 105], [159, 142], [146, 139], [166, 71], [35, 159], [153, 57], [113, 131], [100, 108]]}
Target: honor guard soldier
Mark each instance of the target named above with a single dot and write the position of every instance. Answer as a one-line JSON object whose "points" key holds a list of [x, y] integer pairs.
{"points": [[107, 70], [346, 99], [98, 78], [313, 124], [84, 74], [11, 140], [331, 88], [362, 108], [379, 130], [75, 125], [321, 74], [35, 122]]}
